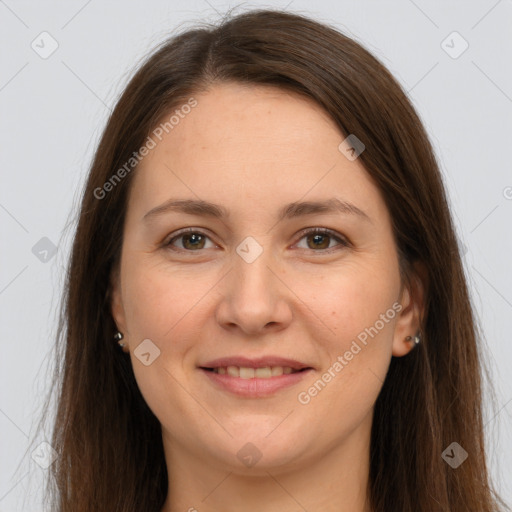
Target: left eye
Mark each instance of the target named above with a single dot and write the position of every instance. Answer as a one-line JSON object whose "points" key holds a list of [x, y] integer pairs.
{"points": [[318, 237], [193, 239]]}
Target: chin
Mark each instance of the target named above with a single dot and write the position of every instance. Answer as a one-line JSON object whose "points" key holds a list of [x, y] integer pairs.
{"points": [[254, 450]]}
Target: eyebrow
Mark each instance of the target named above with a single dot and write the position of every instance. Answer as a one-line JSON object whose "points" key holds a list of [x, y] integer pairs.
{"points": [[289, 211]]}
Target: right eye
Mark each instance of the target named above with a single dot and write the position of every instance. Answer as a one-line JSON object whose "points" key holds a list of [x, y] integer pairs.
{"points": [[192, 240]]}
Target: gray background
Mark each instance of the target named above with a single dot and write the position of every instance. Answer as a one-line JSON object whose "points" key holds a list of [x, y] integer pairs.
{"points": [[53, 110]]}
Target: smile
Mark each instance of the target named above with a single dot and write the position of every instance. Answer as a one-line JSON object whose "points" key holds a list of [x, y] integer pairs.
{"points": [[254, 382], [244, 372]]}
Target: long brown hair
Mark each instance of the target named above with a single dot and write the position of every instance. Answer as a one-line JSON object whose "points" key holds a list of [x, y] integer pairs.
{"points": [[110, 452]]}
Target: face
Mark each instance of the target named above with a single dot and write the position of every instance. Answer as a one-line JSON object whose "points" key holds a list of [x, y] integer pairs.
{"points": [[274, 323]]}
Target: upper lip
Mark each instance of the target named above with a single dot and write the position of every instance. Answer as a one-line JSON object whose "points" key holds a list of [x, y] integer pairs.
{"points": [[260, 362]]}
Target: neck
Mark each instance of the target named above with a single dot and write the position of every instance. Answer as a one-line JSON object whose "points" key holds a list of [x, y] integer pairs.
{"points": [[334, 481]]}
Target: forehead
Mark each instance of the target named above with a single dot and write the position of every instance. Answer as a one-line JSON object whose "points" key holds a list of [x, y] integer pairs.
{"points": [[239, 119], [257, 143]]}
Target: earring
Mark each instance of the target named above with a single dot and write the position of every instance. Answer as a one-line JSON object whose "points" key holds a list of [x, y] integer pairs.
{"points": [[118, 336], [416, 339]]}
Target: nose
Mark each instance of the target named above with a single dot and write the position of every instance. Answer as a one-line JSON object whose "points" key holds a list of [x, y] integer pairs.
{"points": [[255, 298]]}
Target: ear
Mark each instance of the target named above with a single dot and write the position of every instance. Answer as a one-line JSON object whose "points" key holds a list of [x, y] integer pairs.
{"points": [[412, 300], [116, 304]]}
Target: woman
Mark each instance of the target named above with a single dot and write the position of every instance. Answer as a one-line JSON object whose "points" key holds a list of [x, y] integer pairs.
{"points": [[265, 305]]}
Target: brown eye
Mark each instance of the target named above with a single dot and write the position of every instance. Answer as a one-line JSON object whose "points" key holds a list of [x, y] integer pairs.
{"points": [[317, 240], [320, 239], [191, 240]]}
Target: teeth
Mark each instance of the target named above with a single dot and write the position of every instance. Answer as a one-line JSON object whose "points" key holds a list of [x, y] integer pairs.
{"points": [[250, 373], [263, 373], [234, 371], [247, 373]]}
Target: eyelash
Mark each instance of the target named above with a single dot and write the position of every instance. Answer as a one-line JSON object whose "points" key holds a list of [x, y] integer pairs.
{"points": [[321, 231]]}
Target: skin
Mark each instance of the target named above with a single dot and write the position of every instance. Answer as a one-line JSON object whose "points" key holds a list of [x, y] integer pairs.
{"points": [[253, 149]]}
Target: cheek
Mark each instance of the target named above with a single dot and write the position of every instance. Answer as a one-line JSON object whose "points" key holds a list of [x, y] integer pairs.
{"points": [[357, 361], [357, 306], [159, 301], [352, 300], [162, 306]]}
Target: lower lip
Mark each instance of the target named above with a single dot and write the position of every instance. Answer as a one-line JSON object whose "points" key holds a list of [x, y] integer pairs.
{"points": [[255, 388]]}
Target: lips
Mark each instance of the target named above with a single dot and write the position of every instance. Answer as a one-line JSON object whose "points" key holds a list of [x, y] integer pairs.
{"points": [[245, 372], [262, 362], [252, 378]]}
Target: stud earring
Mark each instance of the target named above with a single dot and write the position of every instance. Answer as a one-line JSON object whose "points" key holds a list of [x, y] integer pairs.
{"points": [[416, 339], [118, 336]]}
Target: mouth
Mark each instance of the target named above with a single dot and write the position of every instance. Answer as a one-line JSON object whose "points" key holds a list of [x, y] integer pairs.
{"points": [[254, 378], [244, 372]]}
